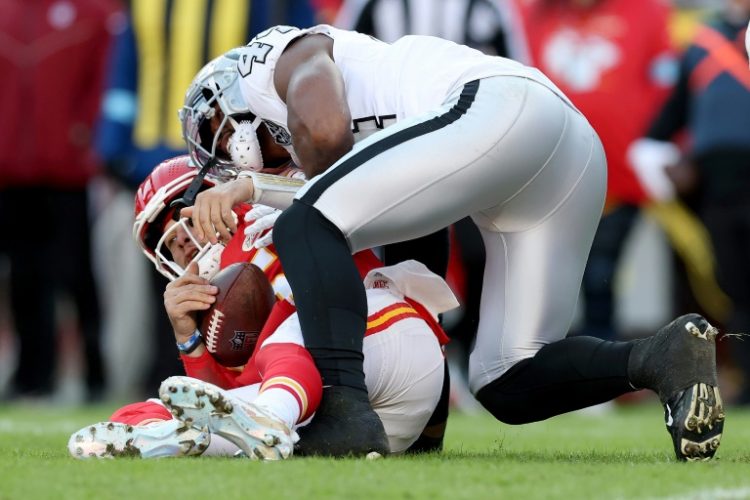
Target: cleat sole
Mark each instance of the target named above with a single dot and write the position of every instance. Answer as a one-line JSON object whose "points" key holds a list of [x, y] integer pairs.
{"points": [[159, 439], [699, 430], [204, 405]]}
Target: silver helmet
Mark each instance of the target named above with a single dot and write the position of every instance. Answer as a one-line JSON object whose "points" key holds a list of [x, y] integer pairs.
{"points": [[215, 87]]}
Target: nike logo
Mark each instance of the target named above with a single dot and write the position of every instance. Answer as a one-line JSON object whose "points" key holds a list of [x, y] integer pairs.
{"points": [[670, 421]]}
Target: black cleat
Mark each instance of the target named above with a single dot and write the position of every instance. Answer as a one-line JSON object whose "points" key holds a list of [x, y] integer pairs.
{"points": [[344, 425], [679, 363]]}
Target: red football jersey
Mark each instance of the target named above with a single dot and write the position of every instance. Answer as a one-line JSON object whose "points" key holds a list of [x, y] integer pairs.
{"points": [[238, 250]]}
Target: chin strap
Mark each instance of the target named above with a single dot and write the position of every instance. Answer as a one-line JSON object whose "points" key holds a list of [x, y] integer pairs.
{"points": [[188, 199]]}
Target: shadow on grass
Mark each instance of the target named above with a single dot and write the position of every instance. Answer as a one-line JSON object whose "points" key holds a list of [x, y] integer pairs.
{"points": [[547, 456]]}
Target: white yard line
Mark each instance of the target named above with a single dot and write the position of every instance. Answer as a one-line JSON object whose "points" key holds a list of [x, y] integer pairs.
{"points": [[710, 494], [11, 426]]}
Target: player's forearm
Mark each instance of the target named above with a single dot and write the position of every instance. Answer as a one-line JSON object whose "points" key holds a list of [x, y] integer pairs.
{"points": [[318, 114], [318, 154]]}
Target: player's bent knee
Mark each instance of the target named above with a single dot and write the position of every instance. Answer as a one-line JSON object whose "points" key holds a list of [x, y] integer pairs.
{"points": [[502, 401]]}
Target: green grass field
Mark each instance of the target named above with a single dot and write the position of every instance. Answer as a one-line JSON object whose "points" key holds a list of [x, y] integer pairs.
{"points": [[626, 454]]}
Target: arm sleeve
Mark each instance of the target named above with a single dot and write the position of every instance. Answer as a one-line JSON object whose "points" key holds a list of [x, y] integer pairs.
{"points": [[206, 368]]}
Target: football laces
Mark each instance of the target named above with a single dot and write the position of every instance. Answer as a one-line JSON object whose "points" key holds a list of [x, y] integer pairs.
{"points": [[214, 326]]}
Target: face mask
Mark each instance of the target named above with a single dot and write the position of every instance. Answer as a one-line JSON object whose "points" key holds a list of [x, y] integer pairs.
{"points": [[244, 148], [210, 262], [208, 256]]}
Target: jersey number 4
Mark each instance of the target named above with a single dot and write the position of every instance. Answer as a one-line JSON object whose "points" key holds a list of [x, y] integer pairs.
{"points": [[254, 52]]}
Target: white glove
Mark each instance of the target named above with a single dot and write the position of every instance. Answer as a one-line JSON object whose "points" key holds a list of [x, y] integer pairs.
{"points": [[261, 217], [650, 159]]}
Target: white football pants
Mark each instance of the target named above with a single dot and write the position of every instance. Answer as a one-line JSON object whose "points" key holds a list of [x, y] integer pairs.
{"points": [[524, 164]]}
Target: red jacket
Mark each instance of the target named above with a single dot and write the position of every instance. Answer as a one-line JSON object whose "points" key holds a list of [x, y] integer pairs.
{"points": [[616, 63], [53, 56]]}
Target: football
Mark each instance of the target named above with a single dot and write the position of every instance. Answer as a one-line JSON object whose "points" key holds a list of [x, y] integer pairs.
{"points": [[231, 326]]}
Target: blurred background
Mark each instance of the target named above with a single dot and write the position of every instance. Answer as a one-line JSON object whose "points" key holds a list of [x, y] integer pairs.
{"points": [[89, 97]]}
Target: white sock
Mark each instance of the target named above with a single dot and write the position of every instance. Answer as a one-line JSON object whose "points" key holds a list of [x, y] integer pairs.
{"points": [[280, 403], [220, 447]]}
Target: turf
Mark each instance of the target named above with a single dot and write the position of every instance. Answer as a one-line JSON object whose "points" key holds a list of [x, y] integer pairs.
{"points": [[626, 454]]}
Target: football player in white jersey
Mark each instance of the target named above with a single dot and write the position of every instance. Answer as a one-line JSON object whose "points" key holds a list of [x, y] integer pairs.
{"points": [[399, 140]]}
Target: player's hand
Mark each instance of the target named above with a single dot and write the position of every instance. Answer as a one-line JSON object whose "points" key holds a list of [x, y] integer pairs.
{"points": [[184, 297], [261, 218], [212, 214]]}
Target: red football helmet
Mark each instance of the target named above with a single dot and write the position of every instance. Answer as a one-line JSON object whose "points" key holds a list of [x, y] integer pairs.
{"points": [[165, 184]]}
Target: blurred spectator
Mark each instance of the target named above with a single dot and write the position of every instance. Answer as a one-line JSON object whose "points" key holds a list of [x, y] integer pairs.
{"points": [[711, 102], [52, 61], [326, 11], [481, 24], [162, 47], [614, 59]]}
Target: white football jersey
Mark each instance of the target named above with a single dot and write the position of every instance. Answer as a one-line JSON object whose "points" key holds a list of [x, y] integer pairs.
{"points": [[384, 82]]}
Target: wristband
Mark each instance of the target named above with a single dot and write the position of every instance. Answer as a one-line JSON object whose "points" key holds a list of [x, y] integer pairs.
{"points": [[190, 344]]}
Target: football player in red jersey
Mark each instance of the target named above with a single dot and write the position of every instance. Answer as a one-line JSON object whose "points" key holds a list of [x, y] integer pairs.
{"points": [[255, 408]]}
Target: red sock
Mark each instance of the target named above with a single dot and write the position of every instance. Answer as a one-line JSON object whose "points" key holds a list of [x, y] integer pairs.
{"points": [[141, 413]]}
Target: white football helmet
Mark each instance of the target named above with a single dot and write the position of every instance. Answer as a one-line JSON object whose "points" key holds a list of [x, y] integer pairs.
{"points": [[166, 183], [216, 88]]}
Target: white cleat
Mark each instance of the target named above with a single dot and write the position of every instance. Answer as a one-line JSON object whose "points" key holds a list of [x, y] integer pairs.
{"points": [[259, 434], [168, 438]]}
